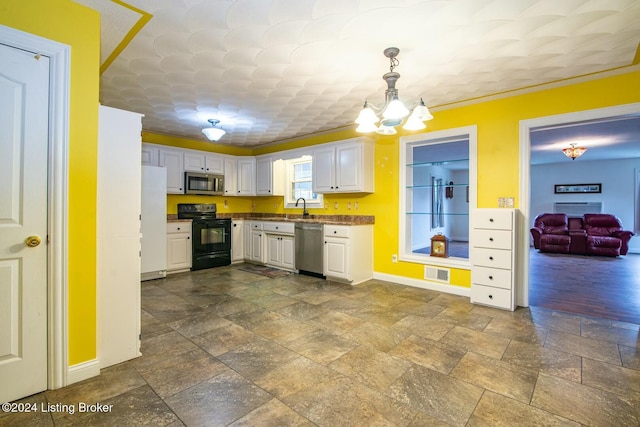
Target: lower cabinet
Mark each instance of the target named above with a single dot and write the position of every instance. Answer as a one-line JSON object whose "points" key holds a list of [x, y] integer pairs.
{"points": [[494, 258], [255, 249], [348, 253], [280, 251], [178, 246], [237, 240]]}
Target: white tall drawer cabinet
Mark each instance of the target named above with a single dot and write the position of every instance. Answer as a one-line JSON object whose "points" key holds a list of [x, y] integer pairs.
{"points": [[493, 258]]}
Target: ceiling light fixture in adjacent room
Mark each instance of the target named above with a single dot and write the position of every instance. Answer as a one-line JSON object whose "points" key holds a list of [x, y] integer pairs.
{"points": [[574, 152], [393, 111], [213, 133]]}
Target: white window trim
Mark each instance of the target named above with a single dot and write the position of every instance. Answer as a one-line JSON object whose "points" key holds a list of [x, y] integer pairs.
{"points": [[288, 197]]}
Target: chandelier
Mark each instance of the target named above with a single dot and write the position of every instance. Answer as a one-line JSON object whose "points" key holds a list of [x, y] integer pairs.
{"points": [[393, 111], [574, 152], [213, 133]]}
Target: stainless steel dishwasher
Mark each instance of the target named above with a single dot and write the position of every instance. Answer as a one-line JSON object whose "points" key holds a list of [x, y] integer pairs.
{"points": [[309, 245]]}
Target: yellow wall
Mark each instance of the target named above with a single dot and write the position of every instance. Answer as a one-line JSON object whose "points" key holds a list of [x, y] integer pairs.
{"points": [[498, 159], [69, 23]]}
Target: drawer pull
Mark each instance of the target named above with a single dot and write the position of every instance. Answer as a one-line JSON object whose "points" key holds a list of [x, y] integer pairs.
{"points": [[491, 239], [490, 296], [490, 258], [335, 231], [490, 277], [490, 219], [178, 228]]}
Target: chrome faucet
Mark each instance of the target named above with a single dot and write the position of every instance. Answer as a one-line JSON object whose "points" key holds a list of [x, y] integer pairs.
{"points": [[304, 207]]}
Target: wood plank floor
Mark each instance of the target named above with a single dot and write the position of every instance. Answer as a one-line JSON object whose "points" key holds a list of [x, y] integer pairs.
{"points": [[602, 287]]}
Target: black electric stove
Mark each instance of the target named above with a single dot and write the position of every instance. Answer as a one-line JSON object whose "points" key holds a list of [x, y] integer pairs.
{"points": [[211, 236]]}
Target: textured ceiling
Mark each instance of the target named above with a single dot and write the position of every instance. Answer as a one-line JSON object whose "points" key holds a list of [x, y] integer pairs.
{"points": [[271, 70]]}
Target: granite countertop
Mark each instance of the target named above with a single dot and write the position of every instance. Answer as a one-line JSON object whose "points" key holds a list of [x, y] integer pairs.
{"points": [[322, 219], [174, 218]]}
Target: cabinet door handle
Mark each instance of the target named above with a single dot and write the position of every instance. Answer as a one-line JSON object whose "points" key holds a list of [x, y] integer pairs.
{"points": [[491, 239], [490, 219], [178, 228], [335, 231], [491, 258], [490, 296], [325, 242], [490, 277], [235, 225]]}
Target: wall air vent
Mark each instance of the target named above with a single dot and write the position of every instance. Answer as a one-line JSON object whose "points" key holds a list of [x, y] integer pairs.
{"points": [[437, 274], [577, 208]]}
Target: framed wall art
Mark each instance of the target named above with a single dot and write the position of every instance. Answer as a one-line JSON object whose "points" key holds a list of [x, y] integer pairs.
{"points": [[577, 188]]}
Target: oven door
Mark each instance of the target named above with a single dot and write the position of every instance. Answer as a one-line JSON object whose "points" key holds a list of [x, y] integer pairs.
{"points": [[211, 243]]}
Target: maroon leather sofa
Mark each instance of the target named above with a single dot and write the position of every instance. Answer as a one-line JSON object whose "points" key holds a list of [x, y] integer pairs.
{"points": [[592, 234]]}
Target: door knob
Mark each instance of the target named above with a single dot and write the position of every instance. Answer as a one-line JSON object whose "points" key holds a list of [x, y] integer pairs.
{"points": [[33, 241]]}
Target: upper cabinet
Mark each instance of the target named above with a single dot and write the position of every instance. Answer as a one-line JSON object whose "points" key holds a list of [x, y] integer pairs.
{"points": [[230, 176], [269, 176], [344, 167], [149, 155], [172, 159], [340, 167], [246, 182], [195, 161]]}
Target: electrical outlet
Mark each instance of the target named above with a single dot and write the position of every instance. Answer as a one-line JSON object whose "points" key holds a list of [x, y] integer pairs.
{"points": [[355, 206], [335, 205], [348, 205], [394, 258]]}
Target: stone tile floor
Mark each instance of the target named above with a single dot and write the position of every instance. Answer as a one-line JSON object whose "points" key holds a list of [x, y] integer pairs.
{"points": [[227, 347]]}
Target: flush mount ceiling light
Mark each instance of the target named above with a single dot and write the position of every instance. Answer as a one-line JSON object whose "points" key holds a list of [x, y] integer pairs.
{"points": [[393, 111], [573, 152], [213, 133]]}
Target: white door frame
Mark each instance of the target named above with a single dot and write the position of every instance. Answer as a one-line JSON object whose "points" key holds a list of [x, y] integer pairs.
{"points": [[522, 292], [57, 277]]}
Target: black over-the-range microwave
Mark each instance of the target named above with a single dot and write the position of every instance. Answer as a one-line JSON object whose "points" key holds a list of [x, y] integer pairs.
{"points": [[203, 184]]}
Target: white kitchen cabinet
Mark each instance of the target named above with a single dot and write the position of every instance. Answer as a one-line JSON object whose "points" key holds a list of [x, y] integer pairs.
{"points": [[344, 167], [179, 246], [246, 182], [230, 176], [279, 244], [246, 237], [256, 243], [237, 240], [493, 258], [348, 253], [118, 201], [172, 159], [149, 155], [197, 161], [269, 176], [280, 251]]}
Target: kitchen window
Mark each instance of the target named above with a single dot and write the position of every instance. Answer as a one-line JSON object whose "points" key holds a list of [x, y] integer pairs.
{"points": [[299, 183]]}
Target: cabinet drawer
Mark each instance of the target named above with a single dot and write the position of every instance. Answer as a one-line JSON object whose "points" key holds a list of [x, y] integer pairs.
{"points": [[495, 219], [256, 226], [337, 230], [496, 239], [491, 277], [496, 258], [494, 297], [178, 227], [279, 227]]}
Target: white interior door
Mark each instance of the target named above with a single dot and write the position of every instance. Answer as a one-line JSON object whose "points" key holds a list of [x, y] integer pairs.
{"points": [[24, 105]]}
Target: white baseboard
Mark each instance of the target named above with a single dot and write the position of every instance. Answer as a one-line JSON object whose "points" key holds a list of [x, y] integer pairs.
{"points": [[83, 371], [424, 284]]}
